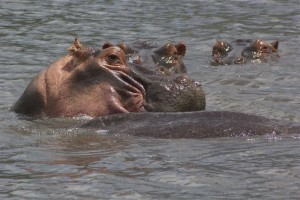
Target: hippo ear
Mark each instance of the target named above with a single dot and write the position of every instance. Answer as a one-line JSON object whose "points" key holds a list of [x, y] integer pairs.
{"points": [[123, 46], [257, 44], [106, 45], [275, 44], [220, 44], [126, 49], [181, 49], [75, 46]]}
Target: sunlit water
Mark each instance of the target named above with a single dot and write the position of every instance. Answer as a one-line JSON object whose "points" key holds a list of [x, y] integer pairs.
{"points": [[47, 159]]}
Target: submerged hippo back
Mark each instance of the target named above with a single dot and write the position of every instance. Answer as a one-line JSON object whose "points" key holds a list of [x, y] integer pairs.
{"points": [[206, 124]]}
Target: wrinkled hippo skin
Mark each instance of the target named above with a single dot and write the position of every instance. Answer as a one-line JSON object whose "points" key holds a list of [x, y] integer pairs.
{"points": [[102, 82], [243, 51], [199, 124], [166, 59]]}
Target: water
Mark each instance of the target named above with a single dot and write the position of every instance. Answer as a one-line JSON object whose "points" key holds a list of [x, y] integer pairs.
{"points": [[46, 159]]}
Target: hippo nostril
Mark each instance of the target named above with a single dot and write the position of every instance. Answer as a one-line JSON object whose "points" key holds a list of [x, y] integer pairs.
{"points": [[197, 84], [239, 61]]}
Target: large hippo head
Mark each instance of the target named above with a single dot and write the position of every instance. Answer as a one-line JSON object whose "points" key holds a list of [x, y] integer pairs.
{"points": [[167, 59], [242, 51], [101, 82], [83, 82]]}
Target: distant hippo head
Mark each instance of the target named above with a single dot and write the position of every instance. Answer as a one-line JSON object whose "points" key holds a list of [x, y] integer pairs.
{"points": [[167, 59], [100, 82], [243, 51]]}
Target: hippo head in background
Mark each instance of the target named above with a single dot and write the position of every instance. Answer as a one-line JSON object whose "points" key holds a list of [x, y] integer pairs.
{"points": [[243, 51], [167, 59], [101, 82]]}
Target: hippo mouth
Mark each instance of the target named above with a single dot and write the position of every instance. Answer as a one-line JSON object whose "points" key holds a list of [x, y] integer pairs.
{"points": [[132, 92], [130, 85]]}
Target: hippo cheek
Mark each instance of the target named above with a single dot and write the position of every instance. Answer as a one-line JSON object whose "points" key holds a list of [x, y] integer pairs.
{"points": [[95, 90], [99, 101], [105, 98], [106, 85]]}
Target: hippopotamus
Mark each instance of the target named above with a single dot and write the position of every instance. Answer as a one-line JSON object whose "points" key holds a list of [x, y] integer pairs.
{"points": [[99, 82], [243, 51], [124, 97], [166, 59]]}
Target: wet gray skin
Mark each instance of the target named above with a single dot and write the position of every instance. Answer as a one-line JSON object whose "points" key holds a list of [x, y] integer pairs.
{"points": [[243, 51], [199, 124]]}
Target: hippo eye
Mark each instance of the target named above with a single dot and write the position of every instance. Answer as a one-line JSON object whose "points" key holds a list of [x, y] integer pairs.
{"points": [[112, 58]]}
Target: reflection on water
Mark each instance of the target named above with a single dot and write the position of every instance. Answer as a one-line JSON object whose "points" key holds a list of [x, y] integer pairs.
{"points": [[140, 168], [45, 158]]}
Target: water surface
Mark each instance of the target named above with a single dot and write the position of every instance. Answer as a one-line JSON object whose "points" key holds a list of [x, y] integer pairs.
{"points": [[47, 159]]}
